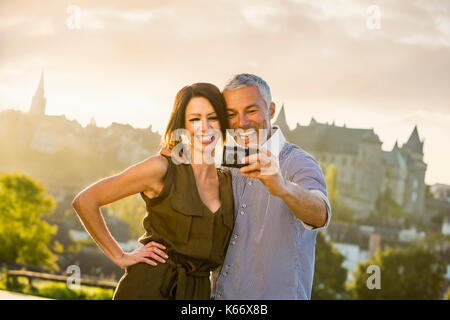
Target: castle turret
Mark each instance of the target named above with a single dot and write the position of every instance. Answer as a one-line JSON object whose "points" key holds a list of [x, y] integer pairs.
{"points": [[414, 145], [281, 121], [38, 102], [414, 201], [395, 148]]}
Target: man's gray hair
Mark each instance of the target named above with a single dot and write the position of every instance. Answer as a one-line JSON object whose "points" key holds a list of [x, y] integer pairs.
{"points": [[244, 80]]}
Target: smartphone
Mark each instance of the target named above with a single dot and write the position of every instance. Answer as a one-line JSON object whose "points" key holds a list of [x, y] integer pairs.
{"points": [[233, 156]]}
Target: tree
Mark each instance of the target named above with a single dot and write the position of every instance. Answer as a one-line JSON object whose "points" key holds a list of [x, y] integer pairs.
{"points": [[25, 237], [387, 210], [406, 273], [447, 294], [340, 211], [130, 210], [332, 184], [329, 274]]}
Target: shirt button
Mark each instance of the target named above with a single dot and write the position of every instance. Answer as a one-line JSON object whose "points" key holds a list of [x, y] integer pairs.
{"points": [[227, 266], [244, 206], [218, 295], [225, 274], [233, 243], [235, 236], [249, 183], [242, 213]]}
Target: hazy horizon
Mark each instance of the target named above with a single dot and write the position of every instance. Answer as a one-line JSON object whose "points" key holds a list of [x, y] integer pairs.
{"points": [[128, 59]]}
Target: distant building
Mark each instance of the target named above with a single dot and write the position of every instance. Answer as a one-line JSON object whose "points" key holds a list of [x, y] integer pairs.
{"points": [[40, 143], [446, 226], [52, 133], [438, 207], [364, 169], [353, 255], [441, 191], [92, 123], [374, 243], [38, 101]]}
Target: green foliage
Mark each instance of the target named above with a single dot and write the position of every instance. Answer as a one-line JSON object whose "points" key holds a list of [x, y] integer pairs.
{"points": [[61, 292], [406, 273], [339, 210], [342, 213], [329, 274], [435, 239], [447, 294], [387, 210], [130, 210], [25, 237], [55, 290], [332, 184], [428, 193]]}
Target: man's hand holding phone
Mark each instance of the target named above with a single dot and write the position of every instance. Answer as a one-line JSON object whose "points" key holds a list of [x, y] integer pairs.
{"points": [[264, 166]]}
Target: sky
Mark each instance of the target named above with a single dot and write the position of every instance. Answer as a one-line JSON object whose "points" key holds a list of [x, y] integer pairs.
{"points": [[366, 64]]}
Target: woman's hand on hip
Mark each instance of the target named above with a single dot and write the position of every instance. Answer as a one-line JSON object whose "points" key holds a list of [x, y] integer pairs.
{"points": [[153, 250]]}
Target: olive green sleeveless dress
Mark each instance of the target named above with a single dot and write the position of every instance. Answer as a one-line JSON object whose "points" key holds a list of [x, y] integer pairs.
{"points": [[196, 239]]}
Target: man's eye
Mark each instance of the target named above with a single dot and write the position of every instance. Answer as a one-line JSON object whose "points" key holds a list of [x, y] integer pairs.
{"points": [[252, 111], [230, 115]]}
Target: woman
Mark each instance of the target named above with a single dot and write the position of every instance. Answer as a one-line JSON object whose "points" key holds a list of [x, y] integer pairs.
{"points": [[189, 206]]}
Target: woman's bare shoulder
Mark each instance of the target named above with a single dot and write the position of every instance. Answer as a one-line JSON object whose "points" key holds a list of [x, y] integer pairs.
{"points": [[154, 170], [155, 165]]}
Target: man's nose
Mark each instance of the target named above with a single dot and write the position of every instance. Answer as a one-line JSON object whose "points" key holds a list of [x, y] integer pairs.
{"points": [[243, 121]]}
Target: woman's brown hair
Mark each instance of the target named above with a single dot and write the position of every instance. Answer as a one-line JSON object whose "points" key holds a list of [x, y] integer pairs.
{"points": [[178, 115]]}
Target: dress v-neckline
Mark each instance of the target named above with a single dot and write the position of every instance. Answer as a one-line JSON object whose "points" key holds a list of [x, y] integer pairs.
{"points": [[197, 193]]}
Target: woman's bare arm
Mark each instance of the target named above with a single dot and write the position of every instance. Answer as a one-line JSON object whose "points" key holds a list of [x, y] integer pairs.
{"points": [[147, 175]]}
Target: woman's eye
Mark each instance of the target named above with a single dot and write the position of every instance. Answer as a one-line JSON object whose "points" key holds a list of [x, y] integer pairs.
{"points": [[194, 119], [213, 118], [230, 115]]}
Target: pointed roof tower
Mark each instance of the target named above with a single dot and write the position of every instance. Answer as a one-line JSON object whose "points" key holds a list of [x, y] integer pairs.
{"points": [[395, 148], [395, 157], [414, 144], [38, 102], [41, 84], [281, 120], [92, 122]]}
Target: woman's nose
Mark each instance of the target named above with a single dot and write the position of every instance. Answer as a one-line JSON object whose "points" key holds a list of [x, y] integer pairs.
{"points": [[205, 125]]}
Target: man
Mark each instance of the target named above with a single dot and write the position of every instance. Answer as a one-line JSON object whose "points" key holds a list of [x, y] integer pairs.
{"points": [[277, 212], [280, 201]]}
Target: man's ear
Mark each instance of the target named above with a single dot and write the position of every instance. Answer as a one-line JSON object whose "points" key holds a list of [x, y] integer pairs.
{"points": [[271, 110]]}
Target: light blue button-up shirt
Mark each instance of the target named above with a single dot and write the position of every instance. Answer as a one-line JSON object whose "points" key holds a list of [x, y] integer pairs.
{"points": [[271, 252]]}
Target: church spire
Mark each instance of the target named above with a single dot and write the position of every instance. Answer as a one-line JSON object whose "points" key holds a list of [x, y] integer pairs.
{"points": [[41, 84], [38, 102], [92, 122]]}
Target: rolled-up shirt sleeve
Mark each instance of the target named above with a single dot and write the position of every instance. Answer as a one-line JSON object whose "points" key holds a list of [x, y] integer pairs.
{"points": [[304, 170]]}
